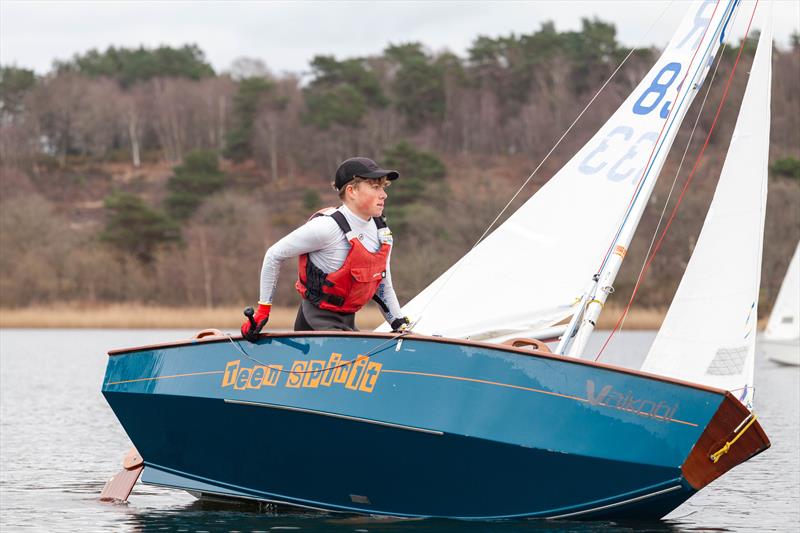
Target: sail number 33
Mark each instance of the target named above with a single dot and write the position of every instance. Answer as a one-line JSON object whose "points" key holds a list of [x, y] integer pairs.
{"points": [[629, 166], [623, 152]]}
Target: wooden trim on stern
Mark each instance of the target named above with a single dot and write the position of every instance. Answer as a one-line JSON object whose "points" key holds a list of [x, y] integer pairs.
{"points": [[730, 420]]}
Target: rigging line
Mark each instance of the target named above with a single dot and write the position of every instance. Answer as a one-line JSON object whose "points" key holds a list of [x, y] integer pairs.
{"points": [[656, 147], [368, 355], [546, 157], [685, 187], [680, 165]]}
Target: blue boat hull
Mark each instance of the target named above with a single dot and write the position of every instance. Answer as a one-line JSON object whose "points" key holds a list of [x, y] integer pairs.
{"points": [[417, 427]]}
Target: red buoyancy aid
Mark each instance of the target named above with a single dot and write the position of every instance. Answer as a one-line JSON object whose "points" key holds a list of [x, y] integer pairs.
{"points": [[348, 289]]}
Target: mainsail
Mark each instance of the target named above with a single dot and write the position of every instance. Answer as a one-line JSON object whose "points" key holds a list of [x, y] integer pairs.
{"points": [[709, 333], [530, 271], [784, 322]]}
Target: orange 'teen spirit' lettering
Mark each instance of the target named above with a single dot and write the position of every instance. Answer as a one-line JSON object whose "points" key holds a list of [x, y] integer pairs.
{"points": [[295, 380], [312, 379], [370, 377], [355, 372], [273, 373], [243, 378], [341, 374], [231, 369], [327, 377], [256, 377]]}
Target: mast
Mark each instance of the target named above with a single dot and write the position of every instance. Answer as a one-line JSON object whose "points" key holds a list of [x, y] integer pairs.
{"points": [[683, 83]]}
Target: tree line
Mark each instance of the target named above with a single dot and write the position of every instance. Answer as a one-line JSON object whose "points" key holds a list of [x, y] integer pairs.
{"points": [[143, 174]]}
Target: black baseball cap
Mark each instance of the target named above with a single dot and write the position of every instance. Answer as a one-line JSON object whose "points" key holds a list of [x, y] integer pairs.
{"points": [[363, 168]]}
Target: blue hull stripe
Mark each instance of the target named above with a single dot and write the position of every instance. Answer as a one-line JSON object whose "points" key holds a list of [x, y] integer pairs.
{"points": [[618, 504], [425, 374], [213, 372]]}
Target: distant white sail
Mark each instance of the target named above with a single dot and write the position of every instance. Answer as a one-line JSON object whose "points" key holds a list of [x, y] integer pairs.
{"points": [[709, 333], [528, 273], [784, 322]]}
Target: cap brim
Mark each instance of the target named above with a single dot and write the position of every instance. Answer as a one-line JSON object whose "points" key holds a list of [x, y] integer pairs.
{"points": [[380, 173]]}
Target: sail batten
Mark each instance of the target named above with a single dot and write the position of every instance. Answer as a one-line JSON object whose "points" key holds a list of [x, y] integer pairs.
{"points": [[708, 335]]}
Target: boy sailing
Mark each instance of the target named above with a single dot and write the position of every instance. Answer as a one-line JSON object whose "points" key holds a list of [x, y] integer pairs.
{"points": [[344, 257]]}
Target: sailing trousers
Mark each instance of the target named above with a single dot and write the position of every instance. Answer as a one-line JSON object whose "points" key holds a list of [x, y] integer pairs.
{"points": [[312, 318]]}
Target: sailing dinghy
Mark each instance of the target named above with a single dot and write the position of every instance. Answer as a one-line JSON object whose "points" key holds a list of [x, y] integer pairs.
{"points": [[781, 340], [459, 418]]}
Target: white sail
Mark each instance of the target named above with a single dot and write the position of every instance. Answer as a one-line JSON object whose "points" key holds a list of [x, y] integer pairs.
{"points": [[709, 333], [528, 273], [784, 322]]}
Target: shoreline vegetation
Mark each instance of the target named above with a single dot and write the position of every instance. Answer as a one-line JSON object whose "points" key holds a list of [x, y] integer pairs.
{"points": [[128, 175], [227, 319]]}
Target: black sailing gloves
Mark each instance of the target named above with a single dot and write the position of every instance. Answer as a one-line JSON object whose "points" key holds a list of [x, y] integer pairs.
{"points": [[400, 324]]}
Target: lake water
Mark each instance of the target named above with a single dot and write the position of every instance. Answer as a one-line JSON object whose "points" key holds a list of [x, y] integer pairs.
{"points": [[60, 442]]}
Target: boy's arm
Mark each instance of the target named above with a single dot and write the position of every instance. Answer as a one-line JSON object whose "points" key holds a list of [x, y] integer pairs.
{"points": [[316, 234], [387, 301]]}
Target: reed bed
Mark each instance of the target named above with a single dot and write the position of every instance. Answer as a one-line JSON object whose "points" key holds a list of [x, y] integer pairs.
{"points": [[152, 317], [647, 318], [223, 318]]}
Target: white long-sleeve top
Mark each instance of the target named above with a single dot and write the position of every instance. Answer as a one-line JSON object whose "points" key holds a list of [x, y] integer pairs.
{"points": [[327, 247]]}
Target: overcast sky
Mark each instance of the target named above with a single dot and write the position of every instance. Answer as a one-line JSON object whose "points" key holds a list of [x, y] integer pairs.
{"points": [[286, 35]]}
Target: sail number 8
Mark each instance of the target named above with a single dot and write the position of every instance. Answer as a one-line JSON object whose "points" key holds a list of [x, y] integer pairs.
{"points": [[630, 165], [650, 99]]}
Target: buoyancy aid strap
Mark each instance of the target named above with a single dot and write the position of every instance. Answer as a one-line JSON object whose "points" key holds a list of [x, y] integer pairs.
{"points": [[380, 303], [315, 280], [341, 221]]}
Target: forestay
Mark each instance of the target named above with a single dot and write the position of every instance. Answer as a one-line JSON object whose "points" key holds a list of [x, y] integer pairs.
{"points": [[784, 322], [709, 333], [529, 272]]}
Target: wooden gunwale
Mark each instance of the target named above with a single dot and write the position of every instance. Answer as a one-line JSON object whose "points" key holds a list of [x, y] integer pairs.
{"points": [[444, 340]]}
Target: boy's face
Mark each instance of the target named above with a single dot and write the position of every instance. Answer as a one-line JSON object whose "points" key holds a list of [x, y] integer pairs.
{"points": [[368, 197]]}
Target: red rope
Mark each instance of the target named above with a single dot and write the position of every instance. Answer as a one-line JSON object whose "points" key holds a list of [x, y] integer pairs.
{"points": [[683, 191]]}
